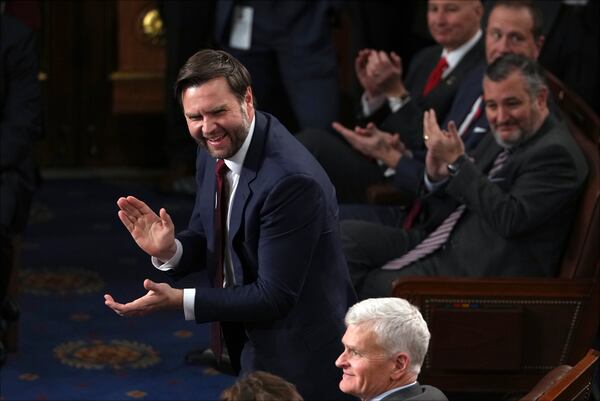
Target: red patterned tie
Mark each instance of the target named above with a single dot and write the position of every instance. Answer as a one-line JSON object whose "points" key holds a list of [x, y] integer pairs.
{"points": [[221, 170], [435, 76], [439, 236]]}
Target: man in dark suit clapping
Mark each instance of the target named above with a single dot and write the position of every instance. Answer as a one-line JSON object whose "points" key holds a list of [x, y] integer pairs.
{"points": [[264, 229]]}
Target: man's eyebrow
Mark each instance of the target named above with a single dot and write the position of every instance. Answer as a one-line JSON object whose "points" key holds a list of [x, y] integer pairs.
{"points": [[218, 108]]}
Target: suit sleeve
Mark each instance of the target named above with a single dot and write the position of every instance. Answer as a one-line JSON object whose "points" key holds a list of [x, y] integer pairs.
{"points": [[291, 222], [538, 189]]}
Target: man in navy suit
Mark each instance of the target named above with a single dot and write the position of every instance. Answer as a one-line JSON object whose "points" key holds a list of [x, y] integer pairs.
{"points": [[394, 98], [286, 285]]}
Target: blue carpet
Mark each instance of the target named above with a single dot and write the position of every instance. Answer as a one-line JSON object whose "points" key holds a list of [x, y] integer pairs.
{"points": [[71, 346]]}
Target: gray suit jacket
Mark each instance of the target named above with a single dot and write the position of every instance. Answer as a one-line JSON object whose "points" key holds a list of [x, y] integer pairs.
{"points": [[516, 223], [417, 392]]}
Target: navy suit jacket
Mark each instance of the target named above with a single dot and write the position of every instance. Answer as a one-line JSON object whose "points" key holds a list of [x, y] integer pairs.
{"points": [[285, 313], [409, 171], [408, 120]]}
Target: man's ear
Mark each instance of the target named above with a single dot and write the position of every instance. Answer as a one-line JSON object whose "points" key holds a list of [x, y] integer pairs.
{"points": [[542, 99], [401, 364], [249, 98]]}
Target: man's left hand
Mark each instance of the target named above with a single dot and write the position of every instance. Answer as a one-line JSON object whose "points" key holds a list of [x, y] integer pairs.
{"points": [[373, 143], [160, 296]]}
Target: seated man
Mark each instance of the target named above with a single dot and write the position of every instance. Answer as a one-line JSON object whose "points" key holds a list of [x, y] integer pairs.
{"points": [[504, 212], [512, 27], [395, 102], [384, 347]]}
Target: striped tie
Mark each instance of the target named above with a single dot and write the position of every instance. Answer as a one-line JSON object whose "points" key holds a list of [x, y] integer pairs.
{"points": [[439, 236]]}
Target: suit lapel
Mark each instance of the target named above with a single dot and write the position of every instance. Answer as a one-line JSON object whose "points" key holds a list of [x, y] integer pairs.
{"points": [[243, 193], [474, 56]]}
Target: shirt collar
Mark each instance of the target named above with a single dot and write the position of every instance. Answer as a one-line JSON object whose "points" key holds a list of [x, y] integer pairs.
{"points": [[453, 57], [236, 162], [392, 391]]}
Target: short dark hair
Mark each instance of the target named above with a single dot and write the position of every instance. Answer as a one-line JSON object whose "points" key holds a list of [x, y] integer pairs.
{"points": [[261, 386], [536, 13], [531, 71], [209, 64]]}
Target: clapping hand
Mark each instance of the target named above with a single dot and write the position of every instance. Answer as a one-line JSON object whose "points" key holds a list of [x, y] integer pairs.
{"points": [[160, 296], [153, 233], [373, 142], [443, 147]]}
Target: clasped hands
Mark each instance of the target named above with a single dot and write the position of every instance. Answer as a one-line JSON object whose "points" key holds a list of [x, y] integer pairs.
{"points": [[154, 234], [443, 146], [379, 73]]}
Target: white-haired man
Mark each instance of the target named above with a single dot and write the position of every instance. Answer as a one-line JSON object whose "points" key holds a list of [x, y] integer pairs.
{"points": [[385, 344]]}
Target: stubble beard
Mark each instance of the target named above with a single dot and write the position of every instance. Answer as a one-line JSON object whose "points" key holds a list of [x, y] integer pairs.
{"points": [[237, 136]]}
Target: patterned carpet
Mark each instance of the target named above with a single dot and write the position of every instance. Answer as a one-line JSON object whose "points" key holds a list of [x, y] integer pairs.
{"points": [[71, 346]]}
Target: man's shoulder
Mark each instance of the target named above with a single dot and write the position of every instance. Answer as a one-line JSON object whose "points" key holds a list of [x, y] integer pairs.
{"points": [[427, 53], [281, 154], [417, 392]]}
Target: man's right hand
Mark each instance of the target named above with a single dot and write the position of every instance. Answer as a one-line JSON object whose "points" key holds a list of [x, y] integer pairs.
{"points": [[367, 82], [153, 233]]}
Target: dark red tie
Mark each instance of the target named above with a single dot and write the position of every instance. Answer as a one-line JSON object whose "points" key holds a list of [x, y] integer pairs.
{"points": [[435, 76], [221, 170], [409, 220]]}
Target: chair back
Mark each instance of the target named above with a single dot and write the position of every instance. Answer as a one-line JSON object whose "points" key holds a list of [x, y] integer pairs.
{"points": [[565, 382], [582, 251]]}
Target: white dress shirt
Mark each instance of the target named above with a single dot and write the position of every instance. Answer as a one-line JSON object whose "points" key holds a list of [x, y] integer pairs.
{"points": [[235, 164]]}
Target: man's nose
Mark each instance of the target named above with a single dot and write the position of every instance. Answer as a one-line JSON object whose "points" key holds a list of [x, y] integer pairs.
{"points": [[504, 46], [501, 115], [340, 362], [208, 126]]}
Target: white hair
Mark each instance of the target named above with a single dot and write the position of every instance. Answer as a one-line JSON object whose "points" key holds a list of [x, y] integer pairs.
{"points": [[398, 326]]}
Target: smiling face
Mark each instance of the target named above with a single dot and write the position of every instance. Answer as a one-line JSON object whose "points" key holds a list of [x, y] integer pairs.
{"points": [[511, 111], [510, 30], [215, 117], [453, 22], [367, 369]]}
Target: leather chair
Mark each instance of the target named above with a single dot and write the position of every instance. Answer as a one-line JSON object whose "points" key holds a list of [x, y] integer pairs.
{"points": [[501, 335], [565, 382]]}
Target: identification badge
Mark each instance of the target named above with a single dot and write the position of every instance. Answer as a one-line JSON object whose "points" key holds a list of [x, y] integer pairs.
{"points": [[241, 27]]}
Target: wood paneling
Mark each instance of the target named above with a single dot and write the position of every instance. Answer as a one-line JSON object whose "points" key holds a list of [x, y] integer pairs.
{"points": [[103, 88], [138, 83]]}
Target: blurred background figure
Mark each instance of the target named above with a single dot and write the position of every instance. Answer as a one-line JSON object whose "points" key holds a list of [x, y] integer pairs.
{"points": [[20, 125], [261, 386], [287, 47]]}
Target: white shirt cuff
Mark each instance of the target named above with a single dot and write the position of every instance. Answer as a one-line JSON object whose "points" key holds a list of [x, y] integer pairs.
{"points": [[370, 105], [397, 102], [434, 185], [171, 263], [189, 298]]}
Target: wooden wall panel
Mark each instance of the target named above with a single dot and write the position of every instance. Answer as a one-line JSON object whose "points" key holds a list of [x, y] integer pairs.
{"points": [[138, 82]]}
